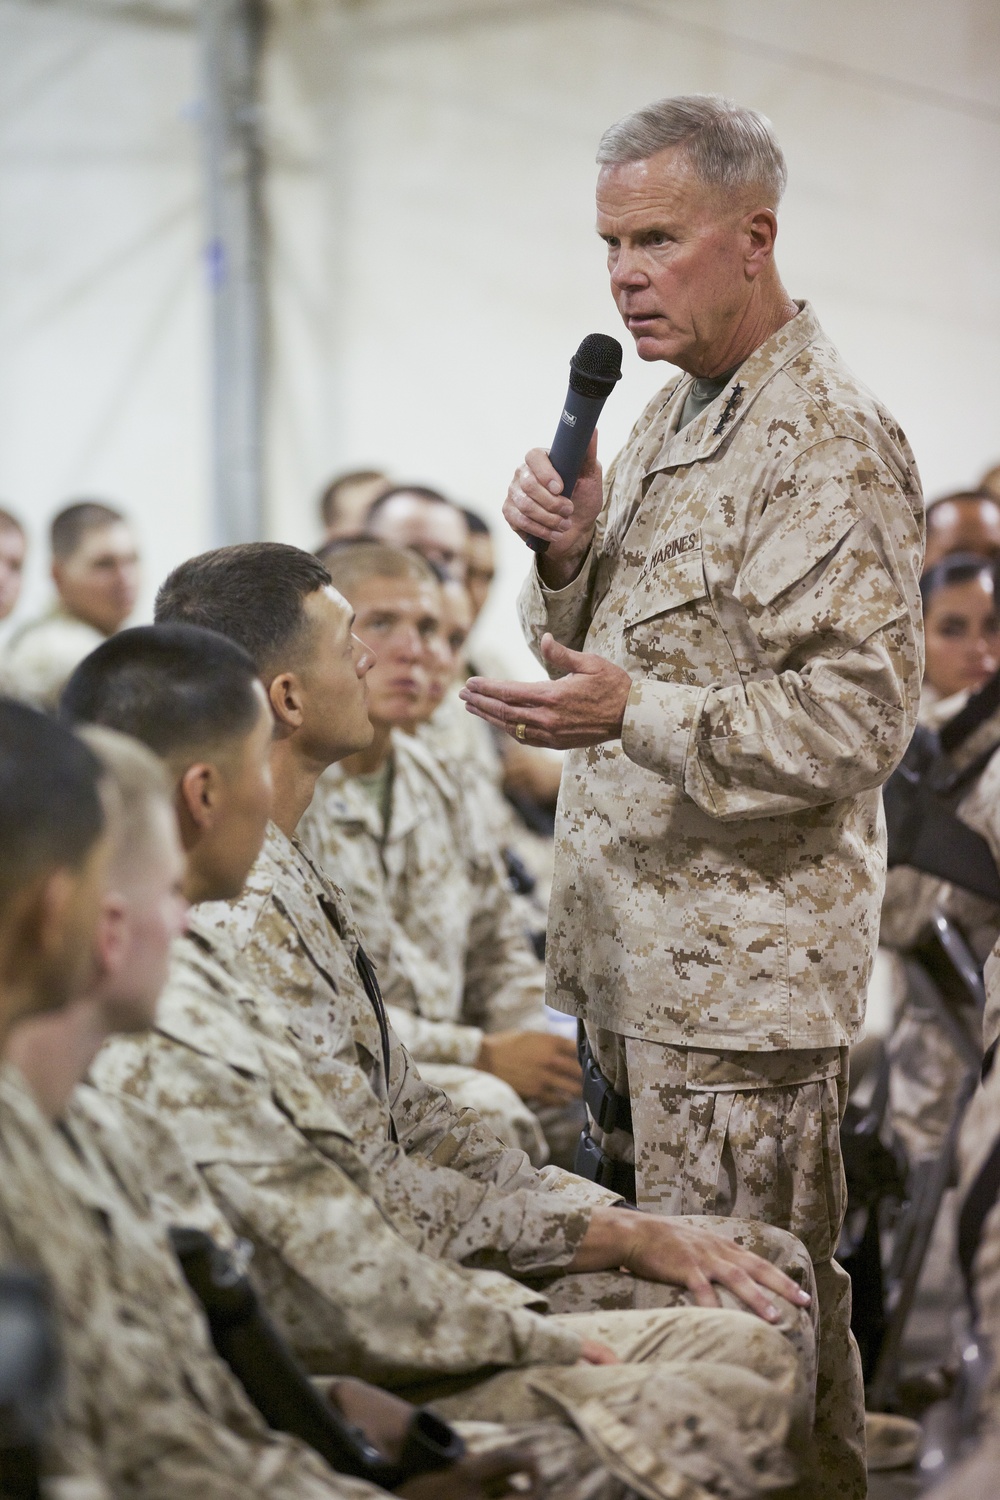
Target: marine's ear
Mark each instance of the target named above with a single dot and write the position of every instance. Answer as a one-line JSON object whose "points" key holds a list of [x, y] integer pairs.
{"points": [[38, 947], [111, 937], [287, 701], [761, 228], [197, 800]]}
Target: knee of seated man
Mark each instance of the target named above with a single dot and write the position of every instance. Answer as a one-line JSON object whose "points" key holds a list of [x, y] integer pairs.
{"points": [[799, 1326]]}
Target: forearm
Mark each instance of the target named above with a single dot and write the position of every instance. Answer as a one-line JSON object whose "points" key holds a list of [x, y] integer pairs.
{"points": [[437, 1041], [355, 1297], [565, 612], [609, 1240]]}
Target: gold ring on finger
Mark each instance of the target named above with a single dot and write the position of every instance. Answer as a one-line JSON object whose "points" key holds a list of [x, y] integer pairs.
{"points": [[519, 732]]}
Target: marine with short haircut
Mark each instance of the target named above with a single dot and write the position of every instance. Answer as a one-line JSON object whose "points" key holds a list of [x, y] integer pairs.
{"points": [[966, 521], [95, 569], [414, 515], [399, 830], [222, 1073], [53, 847], [730, 621]]}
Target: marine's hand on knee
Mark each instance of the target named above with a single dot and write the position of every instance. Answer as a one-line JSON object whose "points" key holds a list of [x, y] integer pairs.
{"points": [[696, 1258]]}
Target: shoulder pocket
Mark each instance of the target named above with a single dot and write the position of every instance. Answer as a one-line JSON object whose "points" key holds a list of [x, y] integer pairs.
{"points": [[671, 584], [816, 583], [798, 544]]}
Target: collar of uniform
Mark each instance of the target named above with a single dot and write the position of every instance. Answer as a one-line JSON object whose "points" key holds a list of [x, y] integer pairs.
{"points": [[339, 799], [16, 1095], [312, 901], [415, 765], [199, 1008], [46, 1142], [713, 426]]}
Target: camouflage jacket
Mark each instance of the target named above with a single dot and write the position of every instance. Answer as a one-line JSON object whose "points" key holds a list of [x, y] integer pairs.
{"points": [[429, 896], [297, 935], [147, 1405], [351, 1292], [720, 868], [42, 654]]}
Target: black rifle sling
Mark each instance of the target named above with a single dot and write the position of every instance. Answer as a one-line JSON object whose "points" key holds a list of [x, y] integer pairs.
{"points": [[980, 707], [366, 973], [924, 831], [948, 848]]}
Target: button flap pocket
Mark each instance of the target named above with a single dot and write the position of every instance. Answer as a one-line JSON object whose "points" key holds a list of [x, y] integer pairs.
{"points": [[667, 586], [746, 1072], [798, 544]]}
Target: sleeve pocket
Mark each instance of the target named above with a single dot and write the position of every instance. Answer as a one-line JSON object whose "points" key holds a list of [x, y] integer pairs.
{"points": [[680, 581]]}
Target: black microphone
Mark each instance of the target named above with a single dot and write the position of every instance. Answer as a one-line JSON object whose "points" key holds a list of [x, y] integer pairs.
{"points": [[594, 371]]}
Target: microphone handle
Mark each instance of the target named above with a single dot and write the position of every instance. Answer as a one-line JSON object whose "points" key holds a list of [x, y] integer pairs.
{"points": [[569, 446]]}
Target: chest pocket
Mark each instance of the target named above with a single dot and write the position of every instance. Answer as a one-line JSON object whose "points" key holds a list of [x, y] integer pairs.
{"points": [[667, 618]]}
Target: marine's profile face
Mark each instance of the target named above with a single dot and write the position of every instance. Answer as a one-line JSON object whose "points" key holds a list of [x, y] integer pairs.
{"points": [[400, 619], [481, 569], [99, 583], [333, 673], [151, 912], [448, 646], [678, 259]]}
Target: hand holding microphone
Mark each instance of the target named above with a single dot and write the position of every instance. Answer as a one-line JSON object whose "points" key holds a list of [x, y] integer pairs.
{"points": [[538, 501]]}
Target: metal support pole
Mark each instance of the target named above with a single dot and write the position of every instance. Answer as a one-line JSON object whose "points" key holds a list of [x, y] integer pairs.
{"points": [[232, 34]]}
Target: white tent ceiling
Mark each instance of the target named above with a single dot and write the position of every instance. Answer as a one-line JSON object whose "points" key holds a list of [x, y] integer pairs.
{"points": [[431, 257]]}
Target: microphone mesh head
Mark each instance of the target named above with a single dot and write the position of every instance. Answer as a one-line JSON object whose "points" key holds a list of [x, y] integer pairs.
{"points": [[596, 366]]}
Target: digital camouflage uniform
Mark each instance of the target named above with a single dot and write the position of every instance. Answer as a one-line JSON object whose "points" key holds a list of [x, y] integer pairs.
{"points": [[147, 1408], [296, 934], [470, 748], [42, 654], [719, 869], [442, 928], [355, 1298]]}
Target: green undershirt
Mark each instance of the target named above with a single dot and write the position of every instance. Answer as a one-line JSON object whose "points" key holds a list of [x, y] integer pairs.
{"points": [[702, 393], [378, 786]]}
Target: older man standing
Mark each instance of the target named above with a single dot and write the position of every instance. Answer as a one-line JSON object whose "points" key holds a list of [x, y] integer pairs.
{"points": [[733, 625]]}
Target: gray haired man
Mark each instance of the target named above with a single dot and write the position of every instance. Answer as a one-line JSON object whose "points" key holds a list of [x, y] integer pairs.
{"points": [[731, 623]]}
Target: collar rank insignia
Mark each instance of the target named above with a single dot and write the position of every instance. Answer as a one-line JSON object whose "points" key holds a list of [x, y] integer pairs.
{"points": [[736, 396]]}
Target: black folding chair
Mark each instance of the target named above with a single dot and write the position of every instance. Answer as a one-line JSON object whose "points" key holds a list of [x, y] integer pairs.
{"points": [[29, 1378], [945, 980]]}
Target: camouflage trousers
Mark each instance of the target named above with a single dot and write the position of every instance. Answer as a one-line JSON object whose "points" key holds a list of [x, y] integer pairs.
{"points": [[704, 1402], [756, 1135]]}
